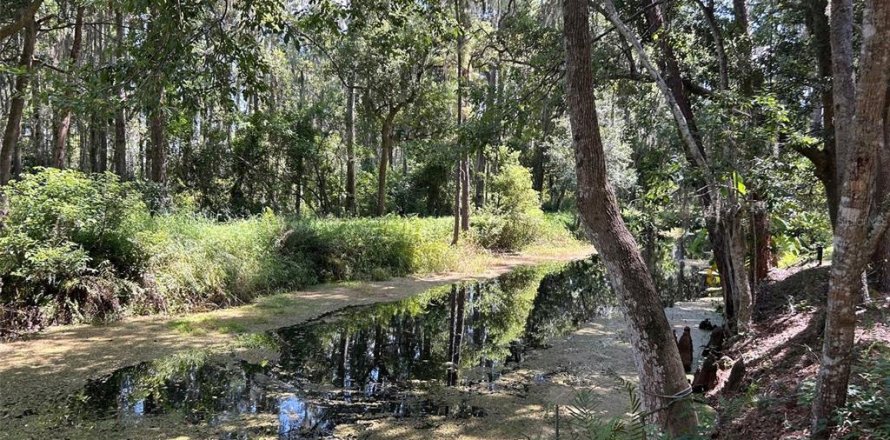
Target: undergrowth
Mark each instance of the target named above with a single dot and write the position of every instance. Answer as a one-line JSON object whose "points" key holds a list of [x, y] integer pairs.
{"points": [[78, 248]]}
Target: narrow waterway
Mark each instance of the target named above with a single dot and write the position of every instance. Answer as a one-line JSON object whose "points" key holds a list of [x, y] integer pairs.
{"points": [[391, 360]]}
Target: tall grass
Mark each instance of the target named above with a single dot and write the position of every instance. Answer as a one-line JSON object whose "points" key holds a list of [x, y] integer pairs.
{"points": [[89, 257]]}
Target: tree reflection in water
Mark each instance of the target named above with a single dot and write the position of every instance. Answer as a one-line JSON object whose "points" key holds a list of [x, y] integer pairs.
{"points": [[365, 361]]}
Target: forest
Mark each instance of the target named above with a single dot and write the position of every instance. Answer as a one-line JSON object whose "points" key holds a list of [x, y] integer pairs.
{"points": [[451, 219]]}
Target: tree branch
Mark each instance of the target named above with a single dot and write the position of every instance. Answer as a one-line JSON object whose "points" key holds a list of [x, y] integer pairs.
{"points": [[23, 16]]}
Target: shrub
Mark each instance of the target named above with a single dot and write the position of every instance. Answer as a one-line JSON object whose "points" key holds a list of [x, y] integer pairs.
{"points": [[515, 218], [66, 238], [197, 262], [868, 398], [75, 247]]}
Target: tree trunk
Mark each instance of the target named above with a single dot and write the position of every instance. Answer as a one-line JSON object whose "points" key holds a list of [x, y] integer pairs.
{"points": [[458, 182], [655, 352], [730, 263], [17, 104], [23, 18], [120, 122], [462, 173], [37, 129], [824, 160], [463, 84], [762, 245], [722, 60], [465, 194], [853, 233], [385, 149], [350, 150], [843, 89], [158, 134], [881, 258], [63, 128]]}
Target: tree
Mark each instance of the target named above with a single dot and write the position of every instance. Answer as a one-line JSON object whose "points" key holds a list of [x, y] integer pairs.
{"points": [[859, 224], [662, 379], [722, 213], [17, 106], [462, 167], [21, 18], [63, 125]]}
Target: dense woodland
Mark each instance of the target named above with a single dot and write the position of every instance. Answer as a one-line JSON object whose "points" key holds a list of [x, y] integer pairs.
{"points": [[163, 156]]}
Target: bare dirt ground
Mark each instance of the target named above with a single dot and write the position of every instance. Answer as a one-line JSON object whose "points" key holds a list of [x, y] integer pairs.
{"points": [[523, 403], [782, 354], [51, 365]]}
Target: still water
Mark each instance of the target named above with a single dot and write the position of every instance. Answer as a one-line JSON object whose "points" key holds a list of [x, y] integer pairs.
{"points": [[360, 363]]}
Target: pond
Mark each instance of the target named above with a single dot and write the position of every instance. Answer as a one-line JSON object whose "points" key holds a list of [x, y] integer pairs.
{"points": [[389, 360]]}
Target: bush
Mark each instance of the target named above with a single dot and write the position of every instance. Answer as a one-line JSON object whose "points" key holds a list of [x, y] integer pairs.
{"points": [[67, 238], [197, 262], [372, 248], [515, 219], [868, 398]]}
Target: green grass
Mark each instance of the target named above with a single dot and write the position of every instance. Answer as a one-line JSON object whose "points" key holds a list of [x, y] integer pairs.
{"points": [[83, 248], [196, 263]]}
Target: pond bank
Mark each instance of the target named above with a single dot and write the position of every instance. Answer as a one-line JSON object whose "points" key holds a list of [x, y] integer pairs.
{"points": [[61, 359], [489, 359]]}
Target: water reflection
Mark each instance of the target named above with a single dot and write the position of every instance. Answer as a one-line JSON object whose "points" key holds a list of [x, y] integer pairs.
{"points": [[365, 361]]}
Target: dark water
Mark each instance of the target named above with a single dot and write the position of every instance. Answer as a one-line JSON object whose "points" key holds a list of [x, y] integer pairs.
{"points": [[362, 362]]}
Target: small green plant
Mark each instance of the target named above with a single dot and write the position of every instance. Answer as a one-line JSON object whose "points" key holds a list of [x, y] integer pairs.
{"points": [[865, 416], [587, 423]]}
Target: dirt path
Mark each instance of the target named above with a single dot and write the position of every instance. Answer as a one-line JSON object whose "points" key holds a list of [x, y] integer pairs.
{"points": [[522, 403], [59, 360]]}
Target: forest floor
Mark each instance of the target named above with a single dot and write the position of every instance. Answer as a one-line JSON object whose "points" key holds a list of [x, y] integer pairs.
{"points": [[782, 355], [46, 368]]}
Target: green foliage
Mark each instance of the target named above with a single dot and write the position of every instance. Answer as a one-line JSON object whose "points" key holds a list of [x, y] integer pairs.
{"points": [[868, 398], [77, 247], [65, 233], [586, 421], [514, 218], [337, 250]]}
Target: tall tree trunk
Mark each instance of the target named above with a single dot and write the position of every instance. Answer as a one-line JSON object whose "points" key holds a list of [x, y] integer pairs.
{"points": [[386, 132], [458, 182], [120, 121], [462, 171], [120, 144], [37, 129], [350, 150], [842, 86], [158, 134], [22, 19], [655, 352], [465, 194], [854, 237], [63, 127], [17, 104], [717, 36], [824, 160], [881, 259], [730, 262], [463, 50]]}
